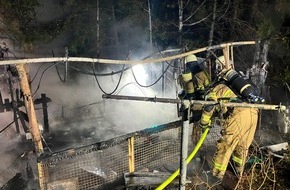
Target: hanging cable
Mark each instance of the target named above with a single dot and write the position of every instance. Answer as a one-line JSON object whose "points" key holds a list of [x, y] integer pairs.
{"points": [[96, 77], [125, 69], [37, 72], [169, 65], [61, 79], [160, 52], [100, 74], [119, 81], [42, 76], [116, 72], [146, 86]]}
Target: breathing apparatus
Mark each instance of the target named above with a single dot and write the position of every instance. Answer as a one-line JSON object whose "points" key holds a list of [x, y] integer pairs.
{"points": [[236, 82], [191, 67], [241, 87]]}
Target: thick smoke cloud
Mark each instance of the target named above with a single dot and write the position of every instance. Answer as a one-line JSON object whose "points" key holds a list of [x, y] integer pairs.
{"points": [[80, 100]]}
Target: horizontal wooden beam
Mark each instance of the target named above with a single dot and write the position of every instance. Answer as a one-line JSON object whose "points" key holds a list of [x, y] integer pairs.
{"points": [[111, 61]]}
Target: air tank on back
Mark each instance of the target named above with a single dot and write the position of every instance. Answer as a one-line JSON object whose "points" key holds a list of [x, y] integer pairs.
{"points": [[242, 87]]}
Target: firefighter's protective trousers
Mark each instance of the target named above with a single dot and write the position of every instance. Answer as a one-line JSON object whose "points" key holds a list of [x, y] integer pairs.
{"points": [[238, 130]]}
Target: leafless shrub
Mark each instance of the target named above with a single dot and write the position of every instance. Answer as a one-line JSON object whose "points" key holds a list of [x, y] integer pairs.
{"points": [[265, 172]]}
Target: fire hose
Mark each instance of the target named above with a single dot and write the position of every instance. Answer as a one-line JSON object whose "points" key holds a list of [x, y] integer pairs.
{"points": [[189, 158]]}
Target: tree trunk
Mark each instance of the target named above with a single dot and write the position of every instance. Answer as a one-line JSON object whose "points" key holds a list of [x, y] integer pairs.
{"points": [[254, 10], [258, 70], [235, 9], [114, 27], [150, 22], [98, 29], [180, 25], [264, 63], [258, 75], [212, 27]]}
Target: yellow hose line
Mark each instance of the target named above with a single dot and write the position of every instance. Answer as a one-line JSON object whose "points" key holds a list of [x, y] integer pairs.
{"points": [[189, 158]]}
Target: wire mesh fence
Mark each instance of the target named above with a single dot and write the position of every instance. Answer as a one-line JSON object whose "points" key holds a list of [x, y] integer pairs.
{"points": [[103, 165]]}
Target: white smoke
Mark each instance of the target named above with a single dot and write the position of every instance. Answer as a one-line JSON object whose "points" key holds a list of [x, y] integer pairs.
{"points": [[71, 102]]}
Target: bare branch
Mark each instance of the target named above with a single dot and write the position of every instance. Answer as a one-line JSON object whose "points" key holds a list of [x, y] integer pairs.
{"points": [[197, 22], [193, 13], [225, 12]]}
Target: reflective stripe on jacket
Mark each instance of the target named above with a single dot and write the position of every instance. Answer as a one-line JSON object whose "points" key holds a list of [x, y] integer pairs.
{"points": [[221, 93]]}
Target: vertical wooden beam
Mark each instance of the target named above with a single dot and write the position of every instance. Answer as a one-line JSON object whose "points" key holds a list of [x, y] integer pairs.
{"points": [[41, 175], [209, 69], [163, 80], [33, 125], [232, 57], [226, 55], [131, 154]]}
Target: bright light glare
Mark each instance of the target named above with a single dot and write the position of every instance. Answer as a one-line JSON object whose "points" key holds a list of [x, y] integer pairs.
{"points": [[140, 74]]}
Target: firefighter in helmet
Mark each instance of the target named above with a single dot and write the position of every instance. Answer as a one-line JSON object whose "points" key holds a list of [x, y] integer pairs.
{"points": [[238, 124], [194, 80]]}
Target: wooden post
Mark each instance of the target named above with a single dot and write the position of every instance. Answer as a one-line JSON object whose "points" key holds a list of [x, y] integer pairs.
{"points": [[41, 175], [131, 154], [232, 57], [33, 125], [227, 56]]}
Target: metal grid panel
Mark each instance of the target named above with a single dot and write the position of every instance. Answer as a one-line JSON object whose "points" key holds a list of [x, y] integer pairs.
{"points": [[99, 166], [208, 149], [213, 135], [161, 148], [93, 169]]}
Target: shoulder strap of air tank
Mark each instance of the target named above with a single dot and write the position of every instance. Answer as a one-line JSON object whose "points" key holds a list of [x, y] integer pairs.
{"points": [[214, 84]]}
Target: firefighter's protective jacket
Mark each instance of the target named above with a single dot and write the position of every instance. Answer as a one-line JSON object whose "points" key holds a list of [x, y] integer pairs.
{"points": [[238, 128], [220, 93], [194, 83]]}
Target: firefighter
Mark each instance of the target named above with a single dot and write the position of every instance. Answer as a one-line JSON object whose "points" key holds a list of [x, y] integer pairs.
{"points": [[194, 80], [238, 124]]}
